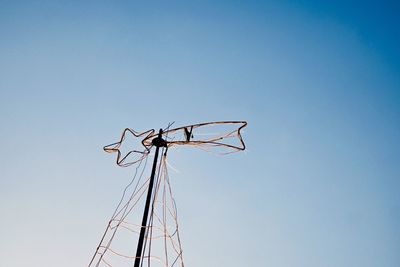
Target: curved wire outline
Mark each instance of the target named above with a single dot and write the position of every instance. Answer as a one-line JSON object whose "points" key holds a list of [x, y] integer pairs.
{"points": [[112, 148], [147, 141], [172, 243], [151, 134]]}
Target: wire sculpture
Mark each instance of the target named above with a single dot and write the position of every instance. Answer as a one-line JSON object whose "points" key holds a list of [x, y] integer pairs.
{"points": [[115, 147], [162, 243]]}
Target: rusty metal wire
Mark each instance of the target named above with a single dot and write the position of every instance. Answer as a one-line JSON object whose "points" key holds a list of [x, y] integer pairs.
{"points": [[196, 135], [115, 148], [162, 239]]}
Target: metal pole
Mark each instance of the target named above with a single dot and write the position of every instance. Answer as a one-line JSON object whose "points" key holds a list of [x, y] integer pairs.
{"points": [[158, 142]]}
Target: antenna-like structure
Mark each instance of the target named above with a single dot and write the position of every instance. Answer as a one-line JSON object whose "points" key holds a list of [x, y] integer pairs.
{"points": [[157, 233]]}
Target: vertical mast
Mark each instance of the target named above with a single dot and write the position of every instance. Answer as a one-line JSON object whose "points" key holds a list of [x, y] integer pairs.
{"points": [[157, 142]]}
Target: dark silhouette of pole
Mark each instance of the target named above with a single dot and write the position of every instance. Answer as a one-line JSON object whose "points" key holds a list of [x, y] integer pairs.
{"points": [[157, 142]]}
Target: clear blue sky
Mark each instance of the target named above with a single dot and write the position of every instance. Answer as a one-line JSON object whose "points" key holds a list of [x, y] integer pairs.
{"points": [[318, 83]]}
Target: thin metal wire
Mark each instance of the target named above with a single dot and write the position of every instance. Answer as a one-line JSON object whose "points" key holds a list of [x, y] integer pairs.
{"points": [[187, 135], [162, 229], [115, 147]]}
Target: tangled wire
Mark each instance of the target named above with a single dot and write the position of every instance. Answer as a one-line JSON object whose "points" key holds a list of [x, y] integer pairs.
{"points": [[162, 246]]}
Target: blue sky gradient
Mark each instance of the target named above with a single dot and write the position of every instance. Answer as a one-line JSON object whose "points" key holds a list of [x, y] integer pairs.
{"points": [[318, 83]]}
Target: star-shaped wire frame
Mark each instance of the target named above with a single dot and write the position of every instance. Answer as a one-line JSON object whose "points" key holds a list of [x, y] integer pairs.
{"points": [[115, 147], [186, 135]]}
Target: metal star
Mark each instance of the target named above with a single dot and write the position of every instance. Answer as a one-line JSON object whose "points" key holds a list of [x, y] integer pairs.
{"points": [[115, 147]]}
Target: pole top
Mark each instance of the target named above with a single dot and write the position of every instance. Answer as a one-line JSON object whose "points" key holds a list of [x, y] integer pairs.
{"points": [[158, 141]]}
